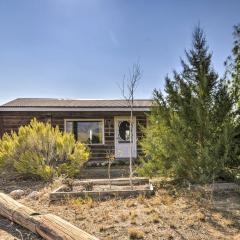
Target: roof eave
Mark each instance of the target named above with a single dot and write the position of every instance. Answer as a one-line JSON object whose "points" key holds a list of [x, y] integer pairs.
{"points": [[72, 109]]}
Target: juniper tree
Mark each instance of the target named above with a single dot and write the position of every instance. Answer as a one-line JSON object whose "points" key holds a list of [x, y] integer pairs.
{"points": [[190, 125]]}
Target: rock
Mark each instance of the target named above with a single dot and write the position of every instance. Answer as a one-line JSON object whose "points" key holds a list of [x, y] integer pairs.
{"points": [[16, 194], [66, 188], [104, 164], [34, 195]]}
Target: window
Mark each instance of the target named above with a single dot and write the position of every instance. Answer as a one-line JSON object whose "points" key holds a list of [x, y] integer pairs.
{"points": [[124, 132], [86, 131]]}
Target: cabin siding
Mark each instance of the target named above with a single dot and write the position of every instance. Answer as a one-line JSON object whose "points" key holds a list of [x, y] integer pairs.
{"points": [[11, 121]]}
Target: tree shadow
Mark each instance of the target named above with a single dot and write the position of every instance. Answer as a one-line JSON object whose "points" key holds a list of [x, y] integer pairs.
{"points": [[14, 231], [227, 205], [8, 185]]}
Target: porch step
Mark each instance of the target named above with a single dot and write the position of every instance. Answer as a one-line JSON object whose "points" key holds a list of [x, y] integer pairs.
{"points": [[104, 162]]}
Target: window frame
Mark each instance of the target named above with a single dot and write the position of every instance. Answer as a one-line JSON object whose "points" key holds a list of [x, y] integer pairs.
{"points": [[88, 120]]}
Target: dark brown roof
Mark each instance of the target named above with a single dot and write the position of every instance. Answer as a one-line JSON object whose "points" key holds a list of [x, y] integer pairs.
{"points": [[83, 103]]}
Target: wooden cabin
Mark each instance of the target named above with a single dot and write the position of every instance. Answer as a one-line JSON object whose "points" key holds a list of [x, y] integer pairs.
{"points": [[102, 124]]}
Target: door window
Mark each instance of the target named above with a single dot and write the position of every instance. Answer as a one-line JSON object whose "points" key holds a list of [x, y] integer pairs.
{"points": [[124, 131]]}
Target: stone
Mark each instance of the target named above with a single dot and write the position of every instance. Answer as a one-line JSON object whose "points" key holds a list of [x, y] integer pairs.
{"points": [[17, 194], [34, 195]]}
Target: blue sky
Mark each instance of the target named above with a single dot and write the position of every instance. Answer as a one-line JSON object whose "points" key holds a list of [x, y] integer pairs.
{"points": [[82, 48]]}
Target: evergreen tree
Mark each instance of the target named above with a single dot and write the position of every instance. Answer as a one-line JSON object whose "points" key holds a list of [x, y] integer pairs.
{"points": [[236, 66], [233, 66], [233, 77], [190, 126]]}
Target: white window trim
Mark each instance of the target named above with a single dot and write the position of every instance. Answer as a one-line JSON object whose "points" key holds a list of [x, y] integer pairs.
{"points": [[88, 120]]}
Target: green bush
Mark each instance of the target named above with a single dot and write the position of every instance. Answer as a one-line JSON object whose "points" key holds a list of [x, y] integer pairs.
{"points": [[192, 126], [39, 150]]}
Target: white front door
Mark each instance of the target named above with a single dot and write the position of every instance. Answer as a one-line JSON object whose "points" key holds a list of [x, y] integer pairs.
{"points": [[122, 137]]}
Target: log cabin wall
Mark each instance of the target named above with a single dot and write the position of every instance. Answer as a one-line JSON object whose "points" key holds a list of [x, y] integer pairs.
{"points": [[11, 121]]}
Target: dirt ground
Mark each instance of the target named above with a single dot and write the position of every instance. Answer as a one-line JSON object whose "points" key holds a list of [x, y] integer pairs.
{"points": [[173, 213]]}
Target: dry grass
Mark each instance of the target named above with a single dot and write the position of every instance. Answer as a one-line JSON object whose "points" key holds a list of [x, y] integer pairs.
{"points": [[141, 199], [57, 182], [133, 215], [124, 217], [135, 233], [149, 210], [195, 217], [131, 203], [108, 238], [237, 237], [165, 216], [77, 202], [222, 220], [155, 218]]}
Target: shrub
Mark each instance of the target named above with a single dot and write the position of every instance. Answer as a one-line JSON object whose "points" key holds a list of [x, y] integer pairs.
{"points": [[7, 145], [39, 150], [191, 130]]}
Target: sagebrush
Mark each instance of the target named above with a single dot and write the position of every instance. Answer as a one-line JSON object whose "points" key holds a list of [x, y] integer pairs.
{"points": [[40, 150]]}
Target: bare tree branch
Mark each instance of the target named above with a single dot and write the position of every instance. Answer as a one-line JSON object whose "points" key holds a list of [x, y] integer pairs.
{"points": [[128, 93]]}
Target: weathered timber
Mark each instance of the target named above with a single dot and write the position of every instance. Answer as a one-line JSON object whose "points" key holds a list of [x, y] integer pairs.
{"points": [[141, 187], [100, 195], [114, 181], [53, 227], [48, 226], [11, 121], [17, 212]]}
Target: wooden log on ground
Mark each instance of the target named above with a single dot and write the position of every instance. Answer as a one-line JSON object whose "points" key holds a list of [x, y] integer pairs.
{"points": [[48, 226], [53, 227], [17, 212]]}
